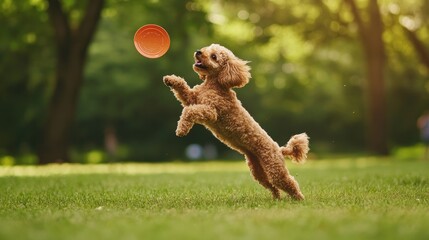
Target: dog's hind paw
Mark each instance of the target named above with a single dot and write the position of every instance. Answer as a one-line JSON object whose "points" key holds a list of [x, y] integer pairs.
{"points": [[298, 197]]}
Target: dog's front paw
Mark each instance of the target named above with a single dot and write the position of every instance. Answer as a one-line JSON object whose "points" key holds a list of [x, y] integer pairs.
{"points": [[181, 132], [172, 80], [183, 128], [168, 81]]}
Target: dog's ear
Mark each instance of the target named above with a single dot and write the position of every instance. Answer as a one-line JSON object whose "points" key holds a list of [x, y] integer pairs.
{"points": [[235, 73]]}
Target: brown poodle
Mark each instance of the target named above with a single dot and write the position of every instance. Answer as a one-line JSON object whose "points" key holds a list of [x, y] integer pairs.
{"points": [[214, 104]]}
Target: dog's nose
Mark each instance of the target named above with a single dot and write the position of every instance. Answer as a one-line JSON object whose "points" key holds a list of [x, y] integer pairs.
{"points": [[198, 52]]}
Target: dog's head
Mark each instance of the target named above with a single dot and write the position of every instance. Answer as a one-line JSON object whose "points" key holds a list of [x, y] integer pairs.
{"points": [[217, 62]]}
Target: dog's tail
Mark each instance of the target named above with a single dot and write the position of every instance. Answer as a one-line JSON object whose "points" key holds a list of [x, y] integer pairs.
{"points": [[296, 148]]}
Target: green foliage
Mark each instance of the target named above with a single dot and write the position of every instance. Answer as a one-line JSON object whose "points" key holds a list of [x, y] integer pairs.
{"points": [[345, 199], [25, 60], [409, 152], [307, 73]]}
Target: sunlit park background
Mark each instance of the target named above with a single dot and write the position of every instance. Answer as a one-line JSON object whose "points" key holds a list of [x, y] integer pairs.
{"points": [[78, 103], [353, 74]]}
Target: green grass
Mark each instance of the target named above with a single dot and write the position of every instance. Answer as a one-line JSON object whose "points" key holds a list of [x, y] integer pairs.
{"points": [[345, 199]]}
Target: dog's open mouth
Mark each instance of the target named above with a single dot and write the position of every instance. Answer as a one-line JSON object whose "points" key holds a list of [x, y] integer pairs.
{"points": [[199, 64]]}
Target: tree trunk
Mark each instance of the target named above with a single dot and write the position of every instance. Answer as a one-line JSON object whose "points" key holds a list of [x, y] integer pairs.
{"points": [[375, 58], [372, 43], [72, 46], [377, 121], [62, 108]]}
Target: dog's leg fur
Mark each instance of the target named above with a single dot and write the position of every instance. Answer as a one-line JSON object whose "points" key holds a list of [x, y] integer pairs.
{"points": [[198, 113], [281, 178], [260, 176]]}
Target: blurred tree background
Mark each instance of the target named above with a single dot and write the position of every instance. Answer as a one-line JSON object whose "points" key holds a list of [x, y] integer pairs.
{"points": [[353, 74]]}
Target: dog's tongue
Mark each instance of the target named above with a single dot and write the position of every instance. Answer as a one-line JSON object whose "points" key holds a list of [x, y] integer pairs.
{"points": [[198, 62]]}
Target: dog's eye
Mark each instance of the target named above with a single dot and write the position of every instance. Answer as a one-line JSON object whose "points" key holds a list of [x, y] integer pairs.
{"points": [[213, 56]]}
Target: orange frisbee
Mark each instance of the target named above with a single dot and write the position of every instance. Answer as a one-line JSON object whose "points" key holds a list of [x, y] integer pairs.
{"points": [[151, 41]]}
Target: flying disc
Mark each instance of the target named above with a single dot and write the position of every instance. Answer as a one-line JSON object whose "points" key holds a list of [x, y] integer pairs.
{"points": [[151, 41]]}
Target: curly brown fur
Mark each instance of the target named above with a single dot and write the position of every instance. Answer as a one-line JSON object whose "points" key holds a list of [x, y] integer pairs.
{"points": [[214, 104], [296, 148]]}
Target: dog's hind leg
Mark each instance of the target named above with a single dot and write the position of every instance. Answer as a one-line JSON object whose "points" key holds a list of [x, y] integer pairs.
{"points": [[260, 176], [281, 178]]}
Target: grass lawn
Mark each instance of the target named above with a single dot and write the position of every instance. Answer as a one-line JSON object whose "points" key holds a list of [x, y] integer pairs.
{"points": [[345, 199]]}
